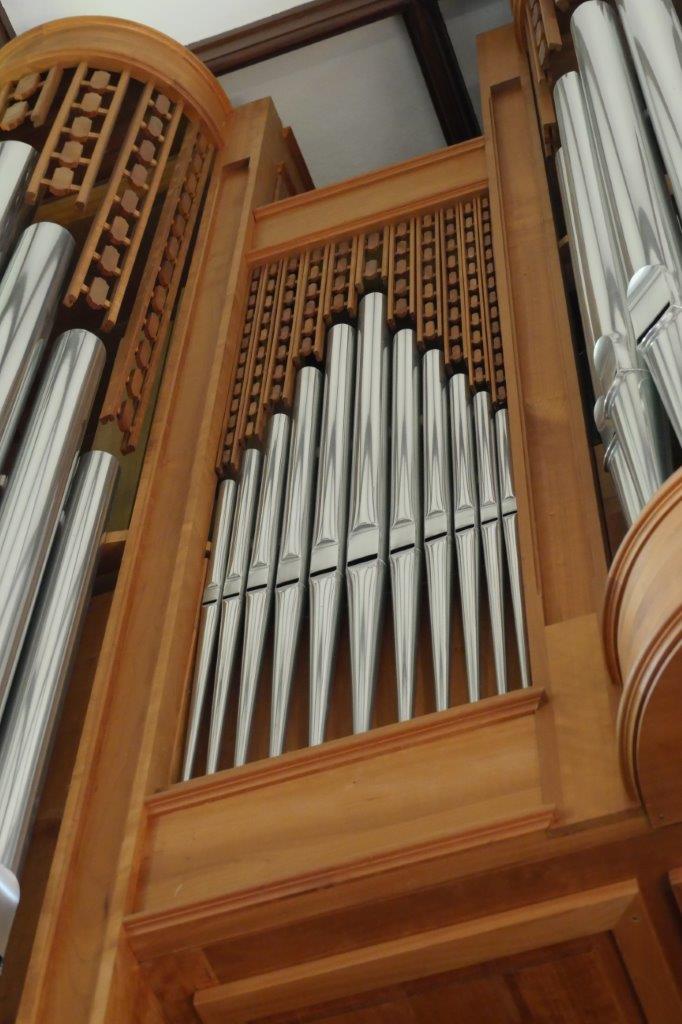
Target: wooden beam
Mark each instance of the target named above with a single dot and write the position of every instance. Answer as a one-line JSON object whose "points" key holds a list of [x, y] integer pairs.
{"points": [[289, 30], [6, 29], [321, 19]]}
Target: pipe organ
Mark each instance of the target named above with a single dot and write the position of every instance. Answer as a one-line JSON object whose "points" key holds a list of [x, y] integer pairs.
{"points": [[340, 643]]}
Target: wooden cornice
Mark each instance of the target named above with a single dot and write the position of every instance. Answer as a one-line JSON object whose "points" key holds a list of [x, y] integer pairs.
{"points": [[321, 19]]}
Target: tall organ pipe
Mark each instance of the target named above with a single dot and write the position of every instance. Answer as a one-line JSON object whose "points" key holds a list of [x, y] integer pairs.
{"points": [[368, 520], [33, 709], [643, 215], [30, 507], [29, 293], [17, 160], [654, 36]]}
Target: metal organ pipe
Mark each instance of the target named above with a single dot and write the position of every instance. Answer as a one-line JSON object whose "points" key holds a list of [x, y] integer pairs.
{"points": [[438, 519], [30, 291], [33, 709], [406, 529], [17, 161], [330, 527], [294, 554], [35, 492], [645, 223], [209, 620], [368, 519], [261, 579]]}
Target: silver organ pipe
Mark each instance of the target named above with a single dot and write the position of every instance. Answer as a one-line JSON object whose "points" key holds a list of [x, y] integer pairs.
{"points": [[467, 525], [209, 619], [294, 554], [438, 519], [17, 161], [38, 481], [32, 713], [30, 291], [491, 529], [261, 578], [367, 549], [625, 238], [330, 526], [232, 606], [383, 459], [406, 528]]}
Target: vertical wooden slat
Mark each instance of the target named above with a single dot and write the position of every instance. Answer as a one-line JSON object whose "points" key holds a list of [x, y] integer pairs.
{"points": [[35, 184], [247, 376], [95, 160], [48, 91]]}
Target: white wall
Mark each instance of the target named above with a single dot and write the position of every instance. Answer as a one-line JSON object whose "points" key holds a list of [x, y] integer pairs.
{"points": [[356, 102]]}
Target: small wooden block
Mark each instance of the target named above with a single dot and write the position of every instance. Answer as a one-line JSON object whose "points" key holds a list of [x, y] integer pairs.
{"points": [[159, 296], [165, 274], [108, 261], [146, 151], [125, 417], [27, 86], [129, 201], [14, 116], [98, 293], [162, 104], [99, 80], [143, 353], [154, 126], [139, 175], [178, 226], [118, 231], [91, 102], [172, 248], [81, 127], [191, 182], [185, 204], [71, 152], [151, 326], [61, 182]]}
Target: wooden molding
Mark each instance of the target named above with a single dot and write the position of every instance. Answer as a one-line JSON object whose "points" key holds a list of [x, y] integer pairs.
{"points": [[322, 19], [616, 908]]}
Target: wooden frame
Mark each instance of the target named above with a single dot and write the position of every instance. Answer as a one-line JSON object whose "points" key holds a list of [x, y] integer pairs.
{"points": [[322, 19]]}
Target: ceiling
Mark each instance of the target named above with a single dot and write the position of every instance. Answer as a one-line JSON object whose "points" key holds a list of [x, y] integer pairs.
{"points": [[356, 102]]}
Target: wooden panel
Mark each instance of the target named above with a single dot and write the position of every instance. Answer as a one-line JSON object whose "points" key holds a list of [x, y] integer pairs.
{"points": [[516, 931]]}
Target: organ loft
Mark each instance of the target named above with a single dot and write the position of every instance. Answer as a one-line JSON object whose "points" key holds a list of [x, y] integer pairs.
{"points": [[340, 532]]}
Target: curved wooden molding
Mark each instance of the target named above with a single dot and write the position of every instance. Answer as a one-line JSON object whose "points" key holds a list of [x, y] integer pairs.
{"points": [[120, 45], [642, 630]]}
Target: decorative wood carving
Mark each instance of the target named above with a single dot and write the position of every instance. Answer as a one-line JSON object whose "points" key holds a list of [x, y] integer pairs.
{"points": [[106, 261], [439, 272], [131, 382], [28, 98]]}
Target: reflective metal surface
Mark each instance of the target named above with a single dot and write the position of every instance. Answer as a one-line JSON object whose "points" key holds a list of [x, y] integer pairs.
{"points": [[30, 291], [654, 36], [491, 533], [39, 685], [294, 553], [599, 271], [511, 537], [17, 161], [466, 522], [661, 350], [35, 491], [631, 405], [233, 599], [438, 519], [642, 212], [209, 618], [261, 579], [405, 533], [368, 517]]}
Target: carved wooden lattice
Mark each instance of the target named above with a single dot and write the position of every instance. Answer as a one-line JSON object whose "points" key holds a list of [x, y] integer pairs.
{"points": [[439, 274], [130, 384], [28, 98], [72, 155], [106, 262]]}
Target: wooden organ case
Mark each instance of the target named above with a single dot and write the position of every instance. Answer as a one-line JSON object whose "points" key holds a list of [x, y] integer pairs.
{"points": [[508, 859]]}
